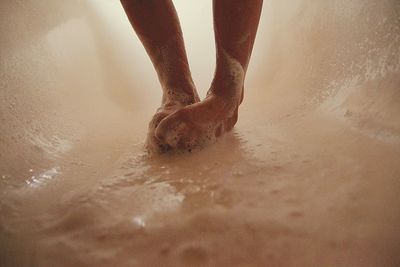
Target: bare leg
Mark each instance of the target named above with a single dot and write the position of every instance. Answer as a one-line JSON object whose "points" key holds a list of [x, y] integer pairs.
{"points": [[157, 26], [235, 26]]}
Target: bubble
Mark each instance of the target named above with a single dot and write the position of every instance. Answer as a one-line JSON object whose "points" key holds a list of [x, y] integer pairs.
{"points": [[139, 221]]}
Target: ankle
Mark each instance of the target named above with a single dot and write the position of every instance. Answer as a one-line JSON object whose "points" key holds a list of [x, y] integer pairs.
{"points": [[230, 91], [179, 93], [229, 78]]}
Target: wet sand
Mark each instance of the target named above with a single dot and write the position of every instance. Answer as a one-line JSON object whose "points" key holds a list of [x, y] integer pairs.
{"points": [[310, 176]]}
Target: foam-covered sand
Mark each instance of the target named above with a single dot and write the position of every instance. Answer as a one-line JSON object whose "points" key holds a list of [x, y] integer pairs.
{"points": [[310, 175]]}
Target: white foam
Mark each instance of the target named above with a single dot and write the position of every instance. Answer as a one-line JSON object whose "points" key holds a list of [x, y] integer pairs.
{"points": [[236, 72], [167, 57]]}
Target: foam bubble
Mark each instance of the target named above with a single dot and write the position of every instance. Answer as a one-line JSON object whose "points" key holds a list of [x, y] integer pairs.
{"points": [[235, 75]]}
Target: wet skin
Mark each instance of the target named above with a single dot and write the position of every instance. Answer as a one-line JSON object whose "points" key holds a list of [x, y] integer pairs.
{"points": [[183, 121]]}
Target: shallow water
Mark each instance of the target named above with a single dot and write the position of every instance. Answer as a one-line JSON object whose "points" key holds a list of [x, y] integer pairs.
{"points": [[310, 176]]}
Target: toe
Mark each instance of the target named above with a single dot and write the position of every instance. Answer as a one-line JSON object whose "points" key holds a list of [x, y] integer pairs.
{"points": [[157, 118], [171, 130], [153, 145]]}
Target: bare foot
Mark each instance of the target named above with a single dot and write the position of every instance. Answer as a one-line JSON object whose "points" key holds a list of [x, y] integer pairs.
{"points": [[199, 124], [171, 102]]}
